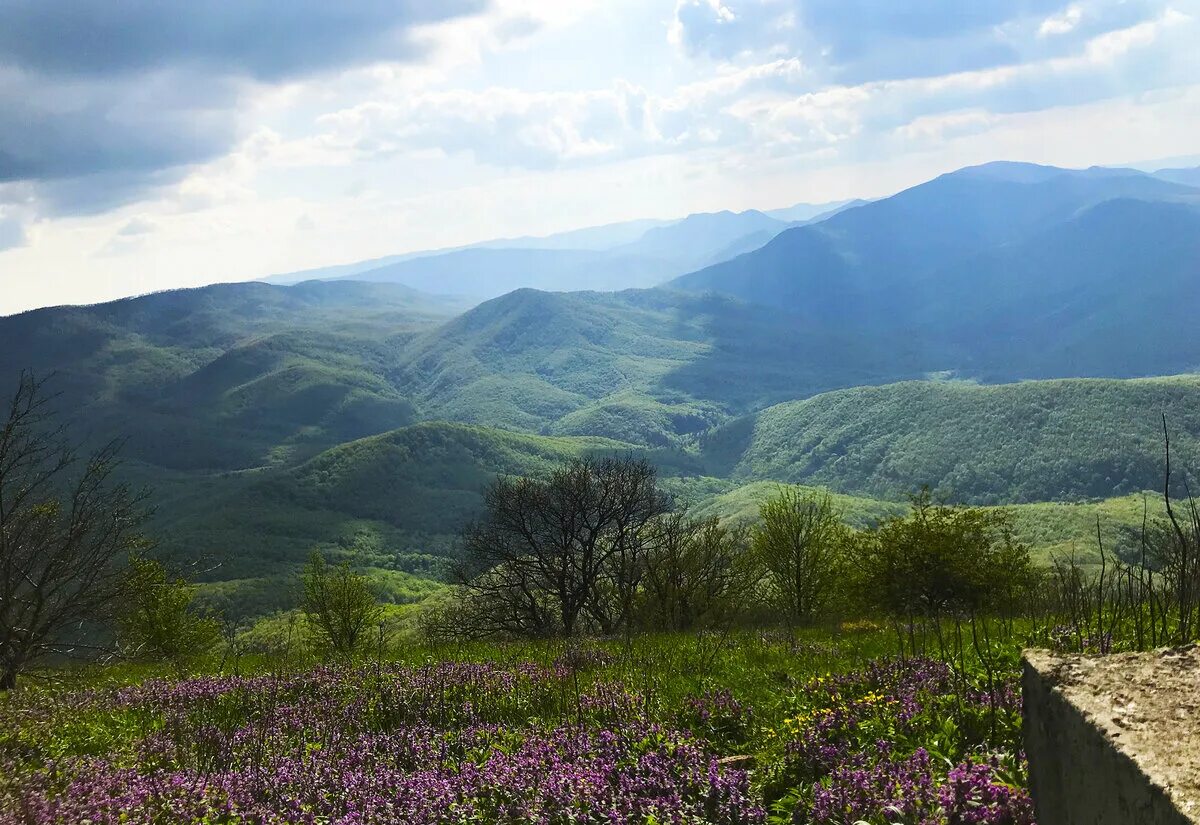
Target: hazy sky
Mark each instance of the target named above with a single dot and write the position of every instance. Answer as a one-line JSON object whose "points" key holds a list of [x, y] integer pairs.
{"points": [[146, 144]]}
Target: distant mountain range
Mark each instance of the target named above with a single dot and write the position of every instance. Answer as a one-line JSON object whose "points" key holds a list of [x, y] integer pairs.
{"points": [[357, 414], [998, 273], [1010, 270], [633, 254], [1188, 176]]}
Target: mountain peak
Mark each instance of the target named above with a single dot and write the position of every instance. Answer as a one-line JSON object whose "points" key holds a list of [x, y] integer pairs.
{"points": [[1008, 170]]}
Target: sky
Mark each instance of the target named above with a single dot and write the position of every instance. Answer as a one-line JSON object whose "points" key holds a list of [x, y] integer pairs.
{"points": [[147, 144]]}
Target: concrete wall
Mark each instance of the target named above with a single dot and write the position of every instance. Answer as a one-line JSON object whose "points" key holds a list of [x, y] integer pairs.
{"points": [[1113, 740]]}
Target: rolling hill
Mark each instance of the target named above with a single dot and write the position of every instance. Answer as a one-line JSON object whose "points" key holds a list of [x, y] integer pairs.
{"points": [[364, 417], [1057, 440], [528, 359], [228, 376], [393, 502]]}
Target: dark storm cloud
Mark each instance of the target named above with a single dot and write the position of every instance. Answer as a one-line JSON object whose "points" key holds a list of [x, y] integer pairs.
{"points": [[52, 130], [267, 39], [124, 91]]}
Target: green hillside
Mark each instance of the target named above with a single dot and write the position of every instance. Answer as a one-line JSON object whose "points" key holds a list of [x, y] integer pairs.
{"points": [[230, 376], [391, 502], [1031, 441], [668, 362]]}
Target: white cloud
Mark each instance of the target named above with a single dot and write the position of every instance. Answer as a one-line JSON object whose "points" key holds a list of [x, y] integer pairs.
{"points": [[503, 126], [540, 115], [769, 106], [1114, 44], [1062, 23], [139, 225], [936, 129]]}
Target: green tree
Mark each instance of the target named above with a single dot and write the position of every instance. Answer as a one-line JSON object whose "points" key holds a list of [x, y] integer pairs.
{"points": [[156, 620], [338, 605], [800, 543], [942, 561]]}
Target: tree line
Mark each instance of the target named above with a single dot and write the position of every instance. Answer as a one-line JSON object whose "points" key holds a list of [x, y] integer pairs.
{"points": [[595, 547]]}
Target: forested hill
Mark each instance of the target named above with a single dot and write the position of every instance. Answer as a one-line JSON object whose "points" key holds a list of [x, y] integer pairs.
{"points": [[364, 418], [1032, 441], [228, 376]]}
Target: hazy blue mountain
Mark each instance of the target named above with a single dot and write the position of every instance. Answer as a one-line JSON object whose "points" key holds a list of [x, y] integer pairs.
{"points": [[326, 273], [854, 204], [759, 239], [592, 238], [702, 234], [658, 254], [487, 273], [870, 267], [618, 256], [740, 246], [1109, 292], [808, 212], [1187, 176], [796, 216]]}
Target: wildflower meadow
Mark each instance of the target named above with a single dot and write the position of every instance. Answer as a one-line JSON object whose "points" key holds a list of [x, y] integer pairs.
{"points": [[737, 729]]}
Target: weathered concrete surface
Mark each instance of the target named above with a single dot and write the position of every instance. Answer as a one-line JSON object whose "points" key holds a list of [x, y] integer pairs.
{"points": [[1114, 740]]}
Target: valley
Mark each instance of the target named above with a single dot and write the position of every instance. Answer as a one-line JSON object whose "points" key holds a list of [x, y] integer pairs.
{"points": [[662, 412], [983, 335]]}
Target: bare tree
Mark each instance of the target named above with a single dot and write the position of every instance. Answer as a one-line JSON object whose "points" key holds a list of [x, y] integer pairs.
{"points": [[697, 573], [65, 526], [551, 555], [1179, 554]]}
